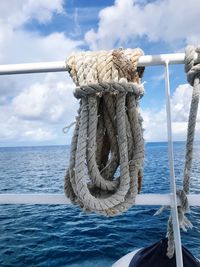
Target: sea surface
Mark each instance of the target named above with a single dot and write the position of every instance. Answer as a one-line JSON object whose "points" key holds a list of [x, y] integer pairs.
{"points": [[53, 235]]}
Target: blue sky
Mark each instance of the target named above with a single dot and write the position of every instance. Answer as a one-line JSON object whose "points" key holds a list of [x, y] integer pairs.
{"points": [[34, 108]]}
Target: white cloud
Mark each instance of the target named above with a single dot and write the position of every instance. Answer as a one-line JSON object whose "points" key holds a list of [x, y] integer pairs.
{"points": [[14, 39], [40, 111], [50, 101], [38, 135], [155, 122], [16, 13], [31, 47], [169, 20], [181, 103], [17, 45], [16, 129], [34, 107]]}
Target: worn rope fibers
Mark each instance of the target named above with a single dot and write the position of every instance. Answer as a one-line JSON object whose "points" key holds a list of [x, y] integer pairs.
{"points": [[108, 134], [192, 70]]}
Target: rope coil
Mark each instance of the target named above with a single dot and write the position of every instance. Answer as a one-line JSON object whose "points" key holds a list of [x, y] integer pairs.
{"points": [[108, 134]]}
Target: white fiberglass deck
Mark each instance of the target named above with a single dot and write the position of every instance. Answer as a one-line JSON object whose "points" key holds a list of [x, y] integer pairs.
{"points": [[145, 199]]}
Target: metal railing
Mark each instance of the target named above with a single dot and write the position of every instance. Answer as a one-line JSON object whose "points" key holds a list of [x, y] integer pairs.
{"points": [[57, 66]]}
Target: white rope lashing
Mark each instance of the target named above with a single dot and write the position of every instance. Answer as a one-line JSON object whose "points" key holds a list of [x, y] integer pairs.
{"points": [[108, 134]]}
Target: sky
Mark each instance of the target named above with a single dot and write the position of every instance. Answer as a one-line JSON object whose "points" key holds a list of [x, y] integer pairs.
{"points": [[34, 108]]}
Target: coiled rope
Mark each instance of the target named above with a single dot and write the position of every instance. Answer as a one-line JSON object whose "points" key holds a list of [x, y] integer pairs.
{"points": [[192, 70], [108, 134]]}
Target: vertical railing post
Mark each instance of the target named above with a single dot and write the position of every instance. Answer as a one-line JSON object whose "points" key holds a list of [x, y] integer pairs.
{"points": [[174, 211]]}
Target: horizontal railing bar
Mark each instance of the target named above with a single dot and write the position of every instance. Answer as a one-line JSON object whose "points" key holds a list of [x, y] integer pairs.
{"points": [[153, 60], [60, 199], [39, 67], [176, 58]]}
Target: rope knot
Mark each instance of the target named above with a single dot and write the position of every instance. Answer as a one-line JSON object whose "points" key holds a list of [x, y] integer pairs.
{"points": [[184, 223], [182, 209]]}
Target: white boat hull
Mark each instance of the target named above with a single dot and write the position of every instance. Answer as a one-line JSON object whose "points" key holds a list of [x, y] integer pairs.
{"points": [[125, 260]]}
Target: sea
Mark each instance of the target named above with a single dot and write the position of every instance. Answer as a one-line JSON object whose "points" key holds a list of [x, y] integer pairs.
{"points": [[64, 235]]}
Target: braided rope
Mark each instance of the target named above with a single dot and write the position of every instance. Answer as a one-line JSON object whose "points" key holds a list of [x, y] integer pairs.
{"points": [[193, 76], [108, 134]]}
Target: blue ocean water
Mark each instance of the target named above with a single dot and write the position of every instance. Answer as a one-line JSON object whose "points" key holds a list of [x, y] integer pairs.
{"points": [[53, 235]]}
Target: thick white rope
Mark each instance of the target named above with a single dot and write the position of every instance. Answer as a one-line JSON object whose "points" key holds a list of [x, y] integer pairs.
{"points": [[108, 132], [192, 70]]}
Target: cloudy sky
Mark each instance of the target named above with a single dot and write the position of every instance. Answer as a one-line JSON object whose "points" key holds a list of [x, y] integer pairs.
{"points": [[34, 108]]}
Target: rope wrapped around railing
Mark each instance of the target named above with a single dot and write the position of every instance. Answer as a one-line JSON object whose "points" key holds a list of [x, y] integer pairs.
{"points": [[108, 135]]}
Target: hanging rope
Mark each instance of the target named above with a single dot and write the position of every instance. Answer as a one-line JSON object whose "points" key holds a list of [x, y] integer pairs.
{"points": [[192, 70], [108, 134]]}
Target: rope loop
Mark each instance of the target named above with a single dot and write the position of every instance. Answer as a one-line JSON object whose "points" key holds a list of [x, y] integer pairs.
{"points": [[107, 149]]}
